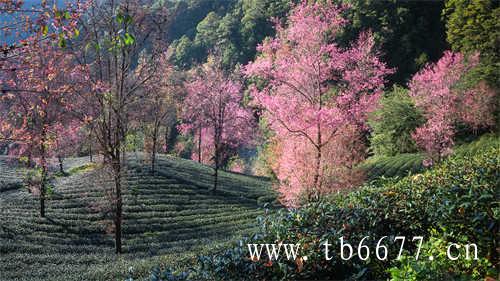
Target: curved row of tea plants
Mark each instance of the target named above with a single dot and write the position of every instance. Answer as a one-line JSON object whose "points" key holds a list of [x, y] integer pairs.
{"points": [[168, 216], [411, 163]]}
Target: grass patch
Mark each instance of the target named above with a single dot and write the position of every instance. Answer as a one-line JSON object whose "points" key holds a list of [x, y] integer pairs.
{"points": [[82, 168]]}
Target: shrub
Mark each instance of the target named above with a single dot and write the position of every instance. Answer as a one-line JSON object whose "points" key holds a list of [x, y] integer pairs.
{"points": [[393, 124], [440, 267]]}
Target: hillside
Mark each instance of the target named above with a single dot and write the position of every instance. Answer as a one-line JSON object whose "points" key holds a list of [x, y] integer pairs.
{"points": [[167, 216], [403, 164]]}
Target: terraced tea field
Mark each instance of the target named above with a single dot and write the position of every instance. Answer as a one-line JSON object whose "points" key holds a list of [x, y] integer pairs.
{"points": [[168, 216], [402, 164], [9, 178]]}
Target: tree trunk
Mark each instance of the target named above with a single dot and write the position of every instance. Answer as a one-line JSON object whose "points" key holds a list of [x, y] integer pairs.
{"points": [[153, 160], [167, 133], [90, 146], [216, 175], [216, 172], [317, 169], [118, 159], [61, 167], [43, 162], [90, 153], [30, 164], [118, 205], [317, 184], [153, 153], [42, 195], [199, 146]]}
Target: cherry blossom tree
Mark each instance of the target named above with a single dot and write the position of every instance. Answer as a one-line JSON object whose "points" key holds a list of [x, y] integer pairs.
{"points": [[39, 97], [27, 27], [213, 109], [313, 92], [159, 100], [439, 91]]}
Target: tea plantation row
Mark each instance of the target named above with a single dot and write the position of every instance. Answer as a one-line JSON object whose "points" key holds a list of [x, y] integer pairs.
{"points": [[168, 216]]}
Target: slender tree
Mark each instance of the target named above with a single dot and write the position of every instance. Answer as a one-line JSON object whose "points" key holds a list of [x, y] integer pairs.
{"points": [[157, 109]]}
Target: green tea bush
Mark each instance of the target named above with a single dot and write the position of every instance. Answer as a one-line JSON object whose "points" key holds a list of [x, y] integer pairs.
{"points": [[458, 199], [440, 267]]}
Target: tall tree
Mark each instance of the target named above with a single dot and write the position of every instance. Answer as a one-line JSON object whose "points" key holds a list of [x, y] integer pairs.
{"points": [[474, 26], [314, 93], [213, 109], [114, 35], [233, 31]]}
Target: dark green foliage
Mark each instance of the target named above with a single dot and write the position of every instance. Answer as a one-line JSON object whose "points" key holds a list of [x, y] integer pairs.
{"points": [[190, 12], [410, 33], [473, 25], [393, 123], [411, 163], [232, 32], [441, 267], [454, 202]]}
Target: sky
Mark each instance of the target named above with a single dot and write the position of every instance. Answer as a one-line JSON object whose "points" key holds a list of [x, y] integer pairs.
{"points": [[9, 19]]}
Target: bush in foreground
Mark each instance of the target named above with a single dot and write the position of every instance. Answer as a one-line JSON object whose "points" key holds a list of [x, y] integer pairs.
{"points": [[454, 202]]}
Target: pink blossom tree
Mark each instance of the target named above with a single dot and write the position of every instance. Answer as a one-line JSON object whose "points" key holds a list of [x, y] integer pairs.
{"points": [[27, 28], [438, 90], [213, 109], [40, 98], [314, 92]]}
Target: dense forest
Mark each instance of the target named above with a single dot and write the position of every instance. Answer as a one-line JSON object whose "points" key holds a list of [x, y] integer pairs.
{"points": [[160, 139]]}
